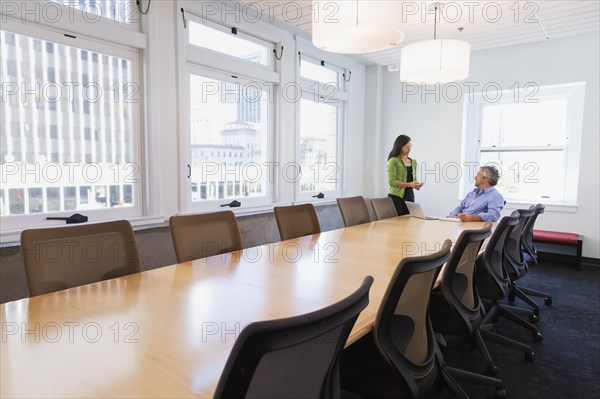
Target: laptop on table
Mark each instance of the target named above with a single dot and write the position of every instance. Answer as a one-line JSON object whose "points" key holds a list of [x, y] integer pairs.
{"points": [[417, 212]]}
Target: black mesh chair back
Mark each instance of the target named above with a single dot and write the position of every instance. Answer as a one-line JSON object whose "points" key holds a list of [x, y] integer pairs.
{"points": [[203, 235], [492, 261], [58, 258], [457, 279], [403, 331], [296, 357], [354, 211], [384, 208], [527, 234], [493, 285], [296, 221], [514, 263]]}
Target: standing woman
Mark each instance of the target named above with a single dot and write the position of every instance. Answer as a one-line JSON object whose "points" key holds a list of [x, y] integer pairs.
{"points": [[401, 171]]}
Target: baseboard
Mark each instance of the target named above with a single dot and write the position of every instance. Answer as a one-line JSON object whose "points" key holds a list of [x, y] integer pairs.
{"points": [[555, 257], [590, 261]]}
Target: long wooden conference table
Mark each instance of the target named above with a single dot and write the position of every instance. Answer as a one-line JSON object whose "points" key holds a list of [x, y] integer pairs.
{"points": [[167, 332]]}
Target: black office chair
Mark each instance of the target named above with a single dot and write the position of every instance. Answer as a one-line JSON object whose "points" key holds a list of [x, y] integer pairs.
{"points": [[527, 234], [493, 285], [517, 267], [456, 308], [296, 357], [455, 305], [527, 245], [401, 358]]}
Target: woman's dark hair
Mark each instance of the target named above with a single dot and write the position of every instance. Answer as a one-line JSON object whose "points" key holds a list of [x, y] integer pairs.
{"points": [[398, 144]]}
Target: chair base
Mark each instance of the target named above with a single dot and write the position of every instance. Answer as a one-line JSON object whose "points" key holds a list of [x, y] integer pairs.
{"points": [[516, 292], [451, 374], [532, 292], [363, 370]]}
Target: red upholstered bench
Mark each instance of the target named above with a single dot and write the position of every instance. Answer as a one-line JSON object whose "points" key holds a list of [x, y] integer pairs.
{"points": [[560, 238]]}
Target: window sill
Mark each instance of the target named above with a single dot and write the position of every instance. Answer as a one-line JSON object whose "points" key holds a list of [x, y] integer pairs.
{"points": [[318, 202], [262, 209], [11, 238], [550, 207]]}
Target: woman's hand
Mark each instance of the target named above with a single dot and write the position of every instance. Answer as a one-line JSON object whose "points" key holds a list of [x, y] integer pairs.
{"points": [[416, 185]]}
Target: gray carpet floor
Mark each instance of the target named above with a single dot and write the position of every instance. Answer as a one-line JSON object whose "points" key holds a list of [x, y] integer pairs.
{"points": [[567, 361]]}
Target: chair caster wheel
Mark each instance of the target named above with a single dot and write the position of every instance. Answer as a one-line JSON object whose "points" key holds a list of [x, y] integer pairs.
{"points": [[536, 312], [533, 318], [530, 356], [500, 393], [492, 370], [548, 301], [537, 337]]}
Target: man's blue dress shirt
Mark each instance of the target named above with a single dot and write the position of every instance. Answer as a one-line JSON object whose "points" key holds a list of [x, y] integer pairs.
{"points": [[486, 203]]}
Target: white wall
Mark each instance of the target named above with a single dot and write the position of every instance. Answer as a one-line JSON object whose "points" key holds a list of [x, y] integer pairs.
{"points": [[436, 125], [355, 139]]}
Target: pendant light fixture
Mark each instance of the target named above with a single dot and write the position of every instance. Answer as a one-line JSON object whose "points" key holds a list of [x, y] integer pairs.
{"points": [[356, 26], [435, 61]]}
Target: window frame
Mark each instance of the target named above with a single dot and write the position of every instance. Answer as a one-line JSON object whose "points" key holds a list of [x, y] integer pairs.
{"points": [[472, 133], [71, 21], [130, 48], [339, 97], [209, 53], [76, 14], [306, 196], [209, 63], [307, 56], [195, 206]]}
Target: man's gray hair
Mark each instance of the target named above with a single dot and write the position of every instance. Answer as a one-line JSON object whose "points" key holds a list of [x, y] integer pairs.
{"points": [[491, 173]]}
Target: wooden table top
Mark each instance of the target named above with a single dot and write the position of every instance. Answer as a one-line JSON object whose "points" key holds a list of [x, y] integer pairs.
{"points": [[167, 332]]}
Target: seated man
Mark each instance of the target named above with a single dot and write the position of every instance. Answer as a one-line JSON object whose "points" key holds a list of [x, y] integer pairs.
{"points": [[484, 203]]}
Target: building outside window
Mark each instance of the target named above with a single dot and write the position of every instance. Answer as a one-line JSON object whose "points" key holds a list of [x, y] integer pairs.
{"points": [[321, 127], [70, 120]]}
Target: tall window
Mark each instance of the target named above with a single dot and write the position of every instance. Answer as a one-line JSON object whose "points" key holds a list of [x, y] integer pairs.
{"points": [[261, 124], [321, 111], [319, 126], [69, 129], [229, 89], [533, 136], [229, 127]]}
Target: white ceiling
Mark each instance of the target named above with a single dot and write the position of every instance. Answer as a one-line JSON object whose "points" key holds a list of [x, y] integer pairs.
{"points": [[485, 24]]}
